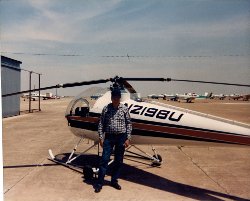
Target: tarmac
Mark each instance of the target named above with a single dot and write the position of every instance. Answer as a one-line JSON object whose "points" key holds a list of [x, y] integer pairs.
{"points": [[187, 173]]}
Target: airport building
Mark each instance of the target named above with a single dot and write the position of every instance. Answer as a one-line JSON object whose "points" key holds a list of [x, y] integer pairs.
{"points": [[11, 82]]}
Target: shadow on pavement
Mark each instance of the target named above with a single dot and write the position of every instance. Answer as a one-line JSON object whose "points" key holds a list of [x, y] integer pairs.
{"points": [[139, 176]]}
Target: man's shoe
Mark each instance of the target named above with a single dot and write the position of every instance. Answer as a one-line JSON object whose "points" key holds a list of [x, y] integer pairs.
{"points": [[98, 189], [116, 186]]}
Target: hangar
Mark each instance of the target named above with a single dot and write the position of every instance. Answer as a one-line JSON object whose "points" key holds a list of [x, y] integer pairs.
{"points": [[11, 82]]}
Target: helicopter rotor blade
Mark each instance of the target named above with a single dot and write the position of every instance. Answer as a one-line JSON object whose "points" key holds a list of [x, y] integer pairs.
{"points": [[85, 83], [179, 80], [207, 82], [66, 85], [124, 81], [146, 79], [129, 87]]}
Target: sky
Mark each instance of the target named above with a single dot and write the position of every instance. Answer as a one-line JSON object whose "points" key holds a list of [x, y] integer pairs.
{"points": [[80, 40]]}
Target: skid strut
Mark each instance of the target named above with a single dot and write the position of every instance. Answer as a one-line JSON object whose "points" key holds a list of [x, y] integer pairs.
{"points": [[73, 151], [70, 159], [156, 158], [90, 172]]}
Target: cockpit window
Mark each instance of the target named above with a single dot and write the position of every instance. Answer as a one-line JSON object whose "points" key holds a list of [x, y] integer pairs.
{"points": [[78, 107], [82, 103], [92, 94]]}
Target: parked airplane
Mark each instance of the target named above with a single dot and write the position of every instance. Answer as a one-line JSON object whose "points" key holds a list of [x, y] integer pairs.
{"points": [[50, 96], [219, 96], [34, 96], [188, 97], [154, 96], [235, 97], [169, 97], [244, 97], [205, 96]]}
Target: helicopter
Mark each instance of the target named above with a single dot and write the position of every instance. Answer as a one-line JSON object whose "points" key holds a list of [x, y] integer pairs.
{"points": [[153, 122]]}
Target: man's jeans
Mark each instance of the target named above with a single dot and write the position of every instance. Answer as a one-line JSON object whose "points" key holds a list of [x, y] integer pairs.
{"points": [[111, 141]]}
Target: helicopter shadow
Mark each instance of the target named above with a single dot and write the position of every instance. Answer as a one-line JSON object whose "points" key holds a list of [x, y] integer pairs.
{"points": [[133, 174]]}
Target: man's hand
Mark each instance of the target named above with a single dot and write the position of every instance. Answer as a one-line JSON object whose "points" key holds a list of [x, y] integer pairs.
{"points": [[101, 142], [127, 143]]}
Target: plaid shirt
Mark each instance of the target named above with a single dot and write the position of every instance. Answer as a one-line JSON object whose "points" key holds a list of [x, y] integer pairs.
{"points": [[115, 121]]}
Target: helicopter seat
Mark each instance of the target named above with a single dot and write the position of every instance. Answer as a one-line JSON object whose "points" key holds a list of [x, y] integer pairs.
{"points": [[77, 111], [82, 111]]}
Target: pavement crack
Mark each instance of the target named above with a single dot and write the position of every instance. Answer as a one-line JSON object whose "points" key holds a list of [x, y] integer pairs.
{"points": [[29, 172], [197, 165], [17, 182]]}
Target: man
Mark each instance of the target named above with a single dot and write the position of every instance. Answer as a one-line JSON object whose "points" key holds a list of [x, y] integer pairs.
{"points": [[116, 125]]}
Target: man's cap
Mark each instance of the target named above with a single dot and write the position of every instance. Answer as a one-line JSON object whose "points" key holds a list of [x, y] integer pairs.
{"points": [[116, 93]]}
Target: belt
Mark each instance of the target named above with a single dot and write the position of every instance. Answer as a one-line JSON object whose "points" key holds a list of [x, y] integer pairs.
{"points": [[114, 133]]}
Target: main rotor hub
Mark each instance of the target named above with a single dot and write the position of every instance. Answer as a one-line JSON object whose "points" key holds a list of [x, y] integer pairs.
{"points": [[117, 83]]}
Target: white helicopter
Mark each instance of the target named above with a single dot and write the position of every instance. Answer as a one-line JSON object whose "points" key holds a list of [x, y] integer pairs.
{"points": [[153, 122]]}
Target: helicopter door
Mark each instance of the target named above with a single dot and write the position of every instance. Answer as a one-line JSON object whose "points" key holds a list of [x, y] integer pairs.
{"points": [[78, 107]]}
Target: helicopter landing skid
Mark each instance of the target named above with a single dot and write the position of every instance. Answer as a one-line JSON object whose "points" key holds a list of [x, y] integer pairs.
{"points": [[88, 171], [72, 167], [156, 159]]}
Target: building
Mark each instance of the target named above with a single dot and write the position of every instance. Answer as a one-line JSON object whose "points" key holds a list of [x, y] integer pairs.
{"points": [[11, 82]]}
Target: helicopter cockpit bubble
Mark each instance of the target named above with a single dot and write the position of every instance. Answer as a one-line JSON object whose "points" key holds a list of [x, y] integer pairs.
{"points": [[82, 103], [78, 107]]}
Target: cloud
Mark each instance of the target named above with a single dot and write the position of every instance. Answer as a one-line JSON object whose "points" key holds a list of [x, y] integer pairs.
{"points": [[53, 24], [100, 23], [222, 28], [96, 28]]}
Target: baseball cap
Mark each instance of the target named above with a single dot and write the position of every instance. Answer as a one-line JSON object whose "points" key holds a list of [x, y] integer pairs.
{"points": [[116, 93]]}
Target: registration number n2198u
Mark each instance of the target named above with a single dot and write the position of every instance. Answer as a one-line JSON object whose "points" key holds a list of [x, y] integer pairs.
{"points": [[154, 112]]}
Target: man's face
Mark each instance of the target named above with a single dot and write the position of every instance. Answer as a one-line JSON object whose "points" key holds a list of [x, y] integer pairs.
{"points": [[115, 100]]}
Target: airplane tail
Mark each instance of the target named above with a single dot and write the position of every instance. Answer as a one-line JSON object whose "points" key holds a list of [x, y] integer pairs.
{"points": [[209, 95]]}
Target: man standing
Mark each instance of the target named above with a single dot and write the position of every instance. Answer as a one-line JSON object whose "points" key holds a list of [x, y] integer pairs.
{"points": [[116, 125]]}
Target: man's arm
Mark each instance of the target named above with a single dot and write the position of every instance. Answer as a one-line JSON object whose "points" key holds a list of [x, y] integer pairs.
{"points": [[101, 124], [128, 125]]}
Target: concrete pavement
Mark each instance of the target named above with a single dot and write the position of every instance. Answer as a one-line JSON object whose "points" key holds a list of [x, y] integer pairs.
{"points": [[188, 173]]}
